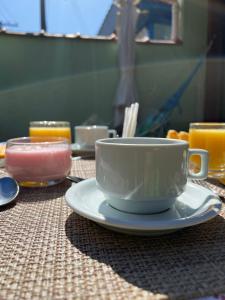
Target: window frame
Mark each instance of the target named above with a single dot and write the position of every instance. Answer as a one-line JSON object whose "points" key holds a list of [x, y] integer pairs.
{"points": [[177, 28]]}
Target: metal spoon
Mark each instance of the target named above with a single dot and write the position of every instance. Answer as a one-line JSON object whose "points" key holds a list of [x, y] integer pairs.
{"points": [[75, 178], [9, 189]]}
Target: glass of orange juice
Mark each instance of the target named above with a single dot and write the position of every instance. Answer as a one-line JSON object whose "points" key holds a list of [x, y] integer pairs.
{"points": [[211, 137], [50, 129]]}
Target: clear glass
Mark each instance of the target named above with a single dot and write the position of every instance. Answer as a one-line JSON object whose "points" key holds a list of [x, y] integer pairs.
{"points": [[211, 137], [38, 161], [50, 128]]}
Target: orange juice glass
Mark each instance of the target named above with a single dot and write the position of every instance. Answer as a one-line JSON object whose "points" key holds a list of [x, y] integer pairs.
{"points": [[50, 129], [211, 137]]}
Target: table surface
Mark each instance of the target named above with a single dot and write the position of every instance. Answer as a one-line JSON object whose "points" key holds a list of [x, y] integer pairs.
{"points": [[47, 251]]}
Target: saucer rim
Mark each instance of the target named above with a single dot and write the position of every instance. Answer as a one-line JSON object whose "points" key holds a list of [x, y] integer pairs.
{"points": [[176, 224]]}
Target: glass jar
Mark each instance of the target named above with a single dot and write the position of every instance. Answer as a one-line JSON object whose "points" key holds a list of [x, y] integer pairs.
{"points": [[211, 137], [50, 128]]}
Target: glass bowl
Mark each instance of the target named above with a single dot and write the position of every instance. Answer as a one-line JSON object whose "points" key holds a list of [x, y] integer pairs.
{"points": [[38, 161]]}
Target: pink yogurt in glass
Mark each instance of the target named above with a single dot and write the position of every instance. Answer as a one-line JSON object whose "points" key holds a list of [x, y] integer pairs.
{"points": [[38, 162]]}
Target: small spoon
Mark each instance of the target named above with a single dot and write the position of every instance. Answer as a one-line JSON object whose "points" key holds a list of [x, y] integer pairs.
{"points": [[9, 189], [75, 178]]}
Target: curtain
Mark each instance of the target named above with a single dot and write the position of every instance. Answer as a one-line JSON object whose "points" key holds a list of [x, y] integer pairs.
{"points": [[126, 30]]}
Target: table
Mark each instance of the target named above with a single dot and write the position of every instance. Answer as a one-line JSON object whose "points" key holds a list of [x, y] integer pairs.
{"points": [[48, 252]]}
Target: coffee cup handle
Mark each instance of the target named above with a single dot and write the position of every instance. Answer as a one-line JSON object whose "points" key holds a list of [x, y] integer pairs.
{"points": [[112, 132], [202, 174]]}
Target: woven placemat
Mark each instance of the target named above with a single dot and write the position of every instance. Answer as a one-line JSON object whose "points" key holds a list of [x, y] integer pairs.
{"points": [[49, 252], [213, 185]]}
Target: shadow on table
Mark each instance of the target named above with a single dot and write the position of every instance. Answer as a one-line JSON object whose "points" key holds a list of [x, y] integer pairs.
{"points": [[186, 264], [44, 193], [7, 207]]}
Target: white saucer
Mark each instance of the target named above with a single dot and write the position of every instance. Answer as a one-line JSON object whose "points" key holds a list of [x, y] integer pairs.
{"points": [[195, 206]]}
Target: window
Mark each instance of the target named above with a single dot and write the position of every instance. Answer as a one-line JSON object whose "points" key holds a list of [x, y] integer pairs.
{"points": [[156, 19], [76, 16], [20, 15]]}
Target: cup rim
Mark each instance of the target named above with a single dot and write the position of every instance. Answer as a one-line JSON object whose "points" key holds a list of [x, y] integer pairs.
{"points": [[91, 127], [49, 124], [50, 140], [207, 125], [170, 142]]}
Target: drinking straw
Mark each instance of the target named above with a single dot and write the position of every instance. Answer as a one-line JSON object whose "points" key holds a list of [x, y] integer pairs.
{"points": [[125, 122], [134, 119], [136, 107], [130, 120]]}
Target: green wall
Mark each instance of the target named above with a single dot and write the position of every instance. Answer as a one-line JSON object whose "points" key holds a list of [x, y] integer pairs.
{"points": [[48, 78], [54, 79]]}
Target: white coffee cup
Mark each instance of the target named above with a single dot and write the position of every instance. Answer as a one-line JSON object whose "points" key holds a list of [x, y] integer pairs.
{"points": [[145, 175], [86, 136]]}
